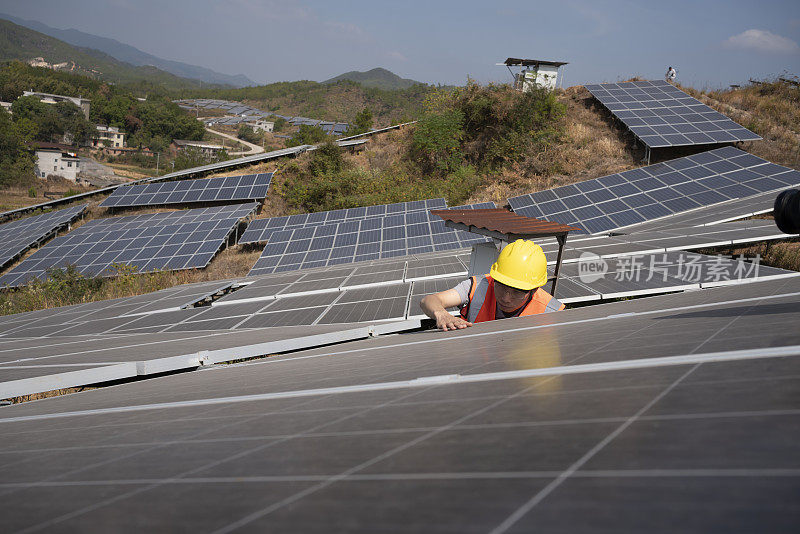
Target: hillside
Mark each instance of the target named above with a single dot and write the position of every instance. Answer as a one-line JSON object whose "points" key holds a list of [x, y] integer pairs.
{"points": [[24, 44], [337, 101], [134, 56], [377, 78], [580, 144], [575, 140]]}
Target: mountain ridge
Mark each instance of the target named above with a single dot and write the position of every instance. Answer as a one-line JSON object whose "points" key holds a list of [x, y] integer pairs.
{"points": [[19, 43], [378, 77], [132, 55]]}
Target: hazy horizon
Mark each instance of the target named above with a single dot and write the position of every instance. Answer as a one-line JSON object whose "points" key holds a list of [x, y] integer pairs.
{"points": [[711, 43]]}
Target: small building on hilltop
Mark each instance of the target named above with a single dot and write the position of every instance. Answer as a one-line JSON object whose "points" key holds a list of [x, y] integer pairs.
{"points": [[534, 72], [56, 160], [108, 136], [47, 98]]}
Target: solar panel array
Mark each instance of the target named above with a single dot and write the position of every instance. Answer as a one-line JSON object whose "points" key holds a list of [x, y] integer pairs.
{"points": [[661, 115], [243, 113], [17, 236], [227, 189], [259, 230], [594, 417], [402, 234], [176, 240], [655, 191]]}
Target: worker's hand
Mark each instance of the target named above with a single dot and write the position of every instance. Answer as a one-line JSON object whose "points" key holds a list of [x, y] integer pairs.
{"points": [[446, 321]]}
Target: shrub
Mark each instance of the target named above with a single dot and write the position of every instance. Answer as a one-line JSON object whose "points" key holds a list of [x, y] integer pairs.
{"points": [[327, 159], [307, 135], [32, 192], [246, 133], [436, 143], [361, 123]]}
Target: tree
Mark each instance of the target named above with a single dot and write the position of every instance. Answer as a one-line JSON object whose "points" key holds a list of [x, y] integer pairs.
{"points": [[307, 135], [280, 124], [248, 134], [436, 143], [361, 123], [73, 121], [16, 162]]}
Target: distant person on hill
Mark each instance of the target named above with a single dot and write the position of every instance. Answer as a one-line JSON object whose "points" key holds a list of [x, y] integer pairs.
{"points": [[671, 74], [513, 288]]}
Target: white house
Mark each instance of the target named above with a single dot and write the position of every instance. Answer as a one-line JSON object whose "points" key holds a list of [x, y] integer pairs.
{"points": [[261, 125], [111, 134], [53, 159]]}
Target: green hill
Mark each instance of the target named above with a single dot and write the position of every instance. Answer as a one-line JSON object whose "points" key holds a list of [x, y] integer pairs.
{"points": [[24, 44], [378, 78]]}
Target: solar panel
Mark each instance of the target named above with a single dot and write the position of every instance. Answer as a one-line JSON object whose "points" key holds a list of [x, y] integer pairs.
{"points": [[402, 234], [661, 115], [260, 230], [172, 241], [656, 191], [553, 444], [227, 189], [18, 236]]}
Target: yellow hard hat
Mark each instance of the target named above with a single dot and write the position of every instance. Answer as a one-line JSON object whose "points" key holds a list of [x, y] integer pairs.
{"points": [[521, 265]]}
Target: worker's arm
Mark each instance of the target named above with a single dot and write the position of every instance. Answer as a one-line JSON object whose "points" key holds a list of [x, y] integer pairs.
{"points": [[434, 307]]}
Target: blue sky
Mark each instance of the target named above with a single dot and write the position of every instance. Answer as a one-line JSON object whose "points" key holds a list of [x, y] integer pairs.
{"points": [[710, 43]]}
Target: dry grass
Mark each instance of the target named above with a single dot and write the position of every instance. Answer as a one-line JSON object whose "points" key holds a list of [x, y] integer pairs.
{"points": [[48, 394], [781, 255], [592, 146], [19, 196], [771, 110]]}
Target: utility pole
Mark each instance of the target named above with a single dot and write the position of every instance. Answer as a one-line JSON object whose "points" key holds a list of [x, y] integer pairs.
{"points": [[158, 158]]}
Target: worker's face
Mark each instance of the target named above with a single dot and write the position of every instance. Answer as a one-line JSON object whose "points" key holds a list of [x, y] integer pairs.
{"points": [[509, 298]]}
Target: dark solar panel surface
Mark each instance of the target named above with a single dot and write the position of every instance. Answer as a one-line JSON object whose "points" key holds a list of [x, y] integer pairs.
{"points": [[661, 115], [657, 191], [227, 189], [360, 240], [17, 236], [172, 241], [708, 446], [260, 230]]}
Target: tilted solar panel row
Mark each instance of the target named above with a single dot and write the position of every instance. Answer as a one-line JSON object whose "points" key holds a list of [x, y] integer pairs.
{"points": [[225, 189], [661, 115], [415, 232], [656, 191], [177, 240], [259, 230], [17, 236]]}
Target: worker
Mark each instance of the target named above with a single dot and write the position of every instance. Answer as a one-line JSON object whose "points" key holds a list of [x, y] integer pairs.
{"points": [[513, 288], [670, 76]]}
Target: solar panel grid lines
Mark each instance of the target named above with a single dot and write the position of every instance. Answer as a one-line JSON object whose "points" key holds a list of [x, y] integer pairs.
{"points": [[657, 191], [260, 230], [373, 238], [662, 115], [177, 240], [18, 236], [748, 406], [225, 189]]}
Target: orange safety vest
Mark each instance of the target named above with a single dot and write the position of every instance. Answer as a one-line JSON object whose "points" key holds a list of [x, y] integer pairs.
{"points": [[482, 305]]}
